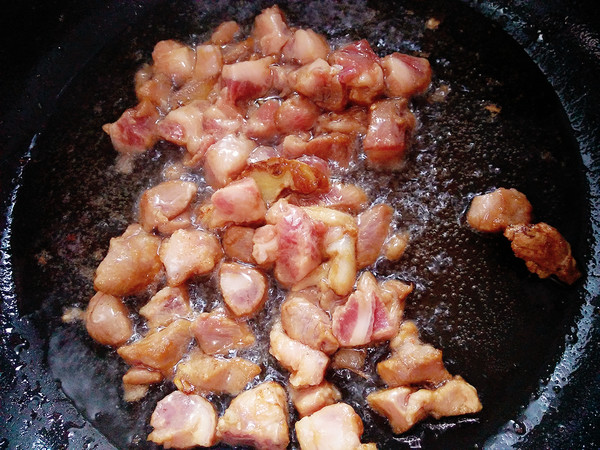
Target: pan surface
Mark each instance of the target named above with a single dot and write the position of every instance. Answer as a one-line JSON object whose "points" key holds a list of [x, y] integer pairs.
{"points": [[530, 346]]}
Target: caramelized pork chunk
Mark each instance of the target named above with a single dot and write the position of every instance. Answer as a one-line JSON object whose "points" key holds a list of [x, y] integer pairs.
{"points": [[310, 399], [405, 75], [257, 417], [239, 202], [404, 407], [544, 250], [166, 306], [107, 320], [305, 321], [238, 243], [493, 212], [218, 334], [135, 131], [204, 373], [334, 427], [159, 350], [131, 263], [187, 253], [244, 288], [412, 361], [183, 421], [307, 365], [164, 203], [373, 229]]}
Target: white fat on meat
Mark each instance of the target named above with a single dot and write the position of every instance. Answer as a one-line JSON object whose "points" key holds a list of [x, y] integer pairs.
{"points": [[135, 131], [307, 365], [166, 306], [239, 202], [493, 212], [184, 126], [165, 202], [310, 399], [405, 75], [296, 113], [305, 46], [247, 79], [209, 62], [340, 247], [187, 253], [216, 333], [225, 32], [244, 288], [270, 31], [373, 229], [320, 82], [183, 421], [261, 123], [257, 417], [238, 243], [107, 320], [225, 159], [175, 60]]}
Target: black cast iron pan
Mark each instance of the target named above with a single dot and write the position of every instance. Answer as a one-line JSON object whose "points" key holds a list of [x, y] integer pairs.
{"points": [[529, 346]]}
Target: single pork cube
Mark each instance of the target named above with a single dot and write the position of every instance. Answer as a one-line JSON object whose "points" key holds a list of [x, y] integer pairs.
{"points": [[493, 212], [187, 253], [352, 359], [209, 62], [218, 334], [154, 88], [353, 121], [244, 288], [320, 82], [307, 365], [226, 159], [239, 202], [405, 75], [184, 126], [107, 320], [166, 306], [135, 131], [174, 60], [258, 418], [131, 263], [310, 399], [334, 427], [344, 197], [544, 250], [296, 113], [204, 373], [373, 229], [265, 245], [225, 33], [456, 397], [183, 421], [337, 147], [305, 46], [270, 31], [142, 375], [247, 79], [223, 118], [261, 121], [238, 243], [340, 247], [165, 202]]}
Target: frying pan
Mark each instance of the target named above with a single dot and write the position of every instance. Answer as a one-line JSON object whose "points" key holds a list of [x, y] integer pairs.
{"points": [[530, 346]]}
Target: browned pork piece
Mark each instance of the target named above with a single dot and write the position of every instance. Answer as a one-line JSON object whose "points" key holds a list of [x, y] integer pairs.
{"points": [[334, 427], [310, 399], [237, 243], [320, 82], [373, 229], [175, 60], [544, 250], [239, 202], [183, 421], [187, 253], [131, 263], [244, 288], [412, 361], [307, 365], [218, 334], [495, 211], [166, 306], [162, 207], [204, 373], [184, 126], [257, 417], [107, 320], [404, 407], [352, 359]]}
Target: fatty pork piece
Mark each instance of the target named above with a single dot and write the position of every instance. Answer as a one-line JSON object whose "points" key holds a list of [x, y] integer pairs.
{"points": [[238, 243], [175, 60], [310, 399], [493, 212], [371, 313], [390, 127], [344, 197], [226, 159], [218, 334], [135, 131], [305, 46], [334, 427], [187, 253], [373, 229], [107, 320], [225, 32], [183, 421], [337, 147], [405, 75], [412, 361], [270, 31], [166, 306], [247, 79], [352, 121], [257, 417], [260, 124], [159, 350], [544, 250], [296, 113], [163, 206], [130, 265], [244, 288], [136, 381], [340, 246], [239, 202], [307, 365], [206, 374], [304, 320], [404, 407], [320, 82]]}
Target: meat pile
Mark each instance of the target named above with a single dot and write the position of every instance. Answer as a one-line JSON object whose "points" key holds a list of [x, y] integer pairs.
{"points": [[266, 118]]}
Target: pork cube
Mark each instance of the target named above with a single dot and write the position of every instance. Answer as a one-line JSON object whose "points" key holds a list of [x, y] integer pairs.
{"points": [[135, 131], [373, 229], [238, 243], [174, 60], [270, 31], [305, 46], [310, 399], [320, 82], [244, 288], [493, 212], [405, 75], [247, 79], [239, 202], [226, 159], [218, 334], [166, 306], [165, 202], [107, 320]]}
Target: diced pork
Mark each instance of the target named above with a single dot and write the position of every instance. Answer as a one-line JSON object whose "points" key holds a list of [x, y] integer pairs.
{"points": [[262, 153], [296, 113], [225, 33], [183, 421], [244, 288], [165, 202], [226, 159], [334, 427], [270, 31], [405, 75], [135, 131], [352, 121], [166, 306], [247, 79], [222, 118], [395, 246], [311, 399], [239, 202], [142, 375], [261, 123], [204, 373], [154, 88], [218, 334], [258, 418], [238, 243], [305, 321], [187, 253], [341, 196], [209, 62], [174, 60], [183, 126], [131, 263], [320, 82], [305, 46], [544, 250], [373, 229], [493, 212], [159, 350], [352, 359], [265, 245], [107, 320], [336, 147], [307, 365], [390, 127]]}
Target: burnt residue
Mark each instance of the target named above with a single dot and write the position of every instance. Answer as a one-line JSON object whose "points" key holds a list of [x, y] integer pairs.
{"points": [[499, 124]]}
